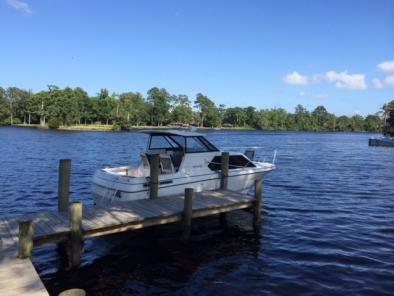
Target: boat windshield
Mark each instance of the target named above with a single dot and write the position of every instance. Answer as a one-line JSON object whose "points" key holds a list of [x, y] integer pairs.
{"points": [[191, 144]]}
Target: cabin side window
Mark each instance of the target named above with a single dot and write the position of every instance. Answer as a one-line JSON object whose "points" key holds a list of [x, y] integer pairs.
{"points": [[161, 142], [235, 162], [194, 144]]}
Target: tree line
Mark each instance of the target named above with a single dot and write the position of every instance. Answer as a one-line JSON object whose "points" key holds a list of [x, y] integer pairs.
{"points": [[73, 106]]}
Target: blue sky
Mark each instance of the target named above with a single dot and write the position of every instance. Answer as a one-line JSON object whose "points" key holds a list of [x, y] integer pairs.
{"points": [[339, 54]]}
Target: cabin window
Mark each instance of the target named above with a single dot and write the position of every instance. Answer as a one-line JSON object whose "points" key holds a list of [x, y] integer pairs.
{"points": [[161, 142], [179, 140], [194, 144], [235, 162]]}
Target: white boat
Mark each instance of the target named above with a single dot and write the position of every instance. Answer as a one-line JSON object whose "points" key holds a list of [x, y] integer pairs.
{"points": [[187, 160]]}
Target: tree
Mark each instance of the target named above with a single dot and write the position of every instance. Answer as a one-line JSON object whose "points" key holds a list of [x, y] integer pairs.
{"points": [[132, 108], [158, 99], [251, 116], [322, 118], [373, 123], [207, 111], [105, 106], [235, 116], [389, 119], [357, 123], [303, 119], [17, 99], [3, 106], [343, 124], [181, 109]]}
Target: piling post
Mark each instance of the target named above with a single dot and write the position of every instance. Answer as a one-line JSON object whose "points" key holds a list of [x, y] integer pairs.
{"points": [[187, 214], [76, 238], [64, 184], [224, 168], [258, 185], [224, 180], [154, 176], [25, 243]]}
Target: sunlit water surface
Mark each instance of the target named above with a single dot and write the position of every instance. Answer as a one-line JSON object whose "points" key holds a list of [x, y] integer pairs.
{"points": [[328, 219]]}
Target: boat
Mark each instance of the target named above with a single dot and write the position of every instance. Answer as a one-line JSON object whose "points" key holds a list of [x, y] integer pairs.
{"points": [[187, 160], [382, 141]]}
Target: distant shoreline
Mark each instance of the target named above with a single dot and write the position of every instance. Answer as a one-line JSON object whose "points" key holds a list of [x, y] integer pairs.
{"points": [[109, 128]]}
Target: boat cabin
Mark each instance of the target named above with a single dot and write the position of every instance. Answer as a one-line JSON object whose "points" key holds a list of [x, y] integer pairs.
{"points": [[174, 146]]}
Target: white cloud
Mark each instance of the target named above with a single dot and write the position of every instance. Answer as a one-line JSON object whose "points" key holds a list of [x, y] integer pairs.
{"points": [[301, 94], [389, 81], [20, 6], [296, 78], [377, 84], [347, 81], [387, 66]]}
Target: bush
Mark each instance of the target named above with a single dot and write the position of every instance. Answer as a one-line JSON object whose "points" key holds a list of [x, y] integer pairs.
{"points": [[121, 125], [54, 123], [7, 121]]}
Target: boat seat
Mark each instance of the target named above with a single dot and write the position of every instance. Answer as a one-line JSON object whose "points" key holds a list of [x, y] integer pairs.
{"points": [[166, 164]]}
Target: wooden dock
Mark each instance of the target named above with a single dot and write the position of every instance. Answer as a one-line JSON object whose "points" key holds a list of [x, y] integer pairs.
{"points": [[18, 234], [18, 275]]}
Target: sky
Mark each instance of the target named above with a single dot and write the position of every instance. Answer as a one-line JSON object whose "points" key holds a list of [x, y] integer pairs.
{"points": [[266, 54]]}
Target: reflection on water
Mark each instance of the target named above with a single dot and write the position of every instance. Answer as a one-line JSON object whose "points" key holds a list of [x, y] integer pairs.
{"points": [[328, 219]]}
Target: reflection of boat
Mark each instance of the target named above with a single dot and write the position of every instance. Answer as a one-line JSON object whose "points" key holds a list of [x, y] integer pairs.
{"points": [[382, 141], [187, 159]]}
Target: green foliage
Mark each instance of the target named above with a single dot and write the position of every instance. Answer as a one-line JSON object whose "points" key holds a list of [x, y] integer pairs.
{"points": [[209, 115], [54, 123], [388, 110], [121, 124], [73, 106], [181, 109], [158, 100]]}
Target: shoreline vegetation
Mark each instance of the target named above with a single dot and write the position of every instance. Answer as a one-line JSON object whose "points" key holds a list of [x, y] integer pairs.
{"points": [[73, 109], [110, 127]]}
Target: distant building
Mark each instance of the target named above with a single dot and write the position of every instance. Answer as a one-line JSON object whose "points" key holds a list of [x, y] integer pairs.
{"points": [[227, 125]]}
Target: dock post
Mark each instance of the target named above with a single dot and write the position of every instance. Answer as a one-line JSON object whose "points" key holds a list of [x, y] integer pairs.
{"points": [[25, 243], [64, 184], [154, 176], [224, 168], [224, 181], [258, 184], [187, 214], [75, 242]]}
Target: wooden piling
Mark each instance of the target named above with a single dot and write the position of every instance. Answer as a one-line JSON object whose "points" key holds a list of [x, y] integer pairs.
{"points": [[64, 184], [224, 168], [76, 239], [25, 243], [187, 214], [258, 184], [154, 176]]}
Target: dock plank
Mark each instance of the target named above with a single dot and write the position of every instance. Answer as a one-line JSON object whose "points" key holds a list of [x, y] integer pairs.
{"points": [[18, 277]]}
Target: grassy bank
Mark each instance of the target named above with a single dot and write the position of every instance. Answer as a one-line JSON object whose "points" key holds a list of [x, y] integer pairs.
{"points": [[109, 128]]}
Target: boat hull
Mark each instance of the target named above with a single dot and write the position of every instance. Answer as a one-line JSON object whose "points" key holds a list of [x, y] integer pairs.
{"points": [[108, 188], [383, 141]]}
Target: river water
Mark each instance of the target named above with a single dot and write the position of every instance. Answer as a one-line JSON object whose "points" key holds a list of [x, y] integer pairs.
{"points": [[327, 229]]}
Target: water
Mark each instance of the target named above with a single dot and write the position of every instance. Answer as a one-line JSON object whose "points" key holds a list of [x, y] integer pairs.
{"points": [[328, 219]]}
